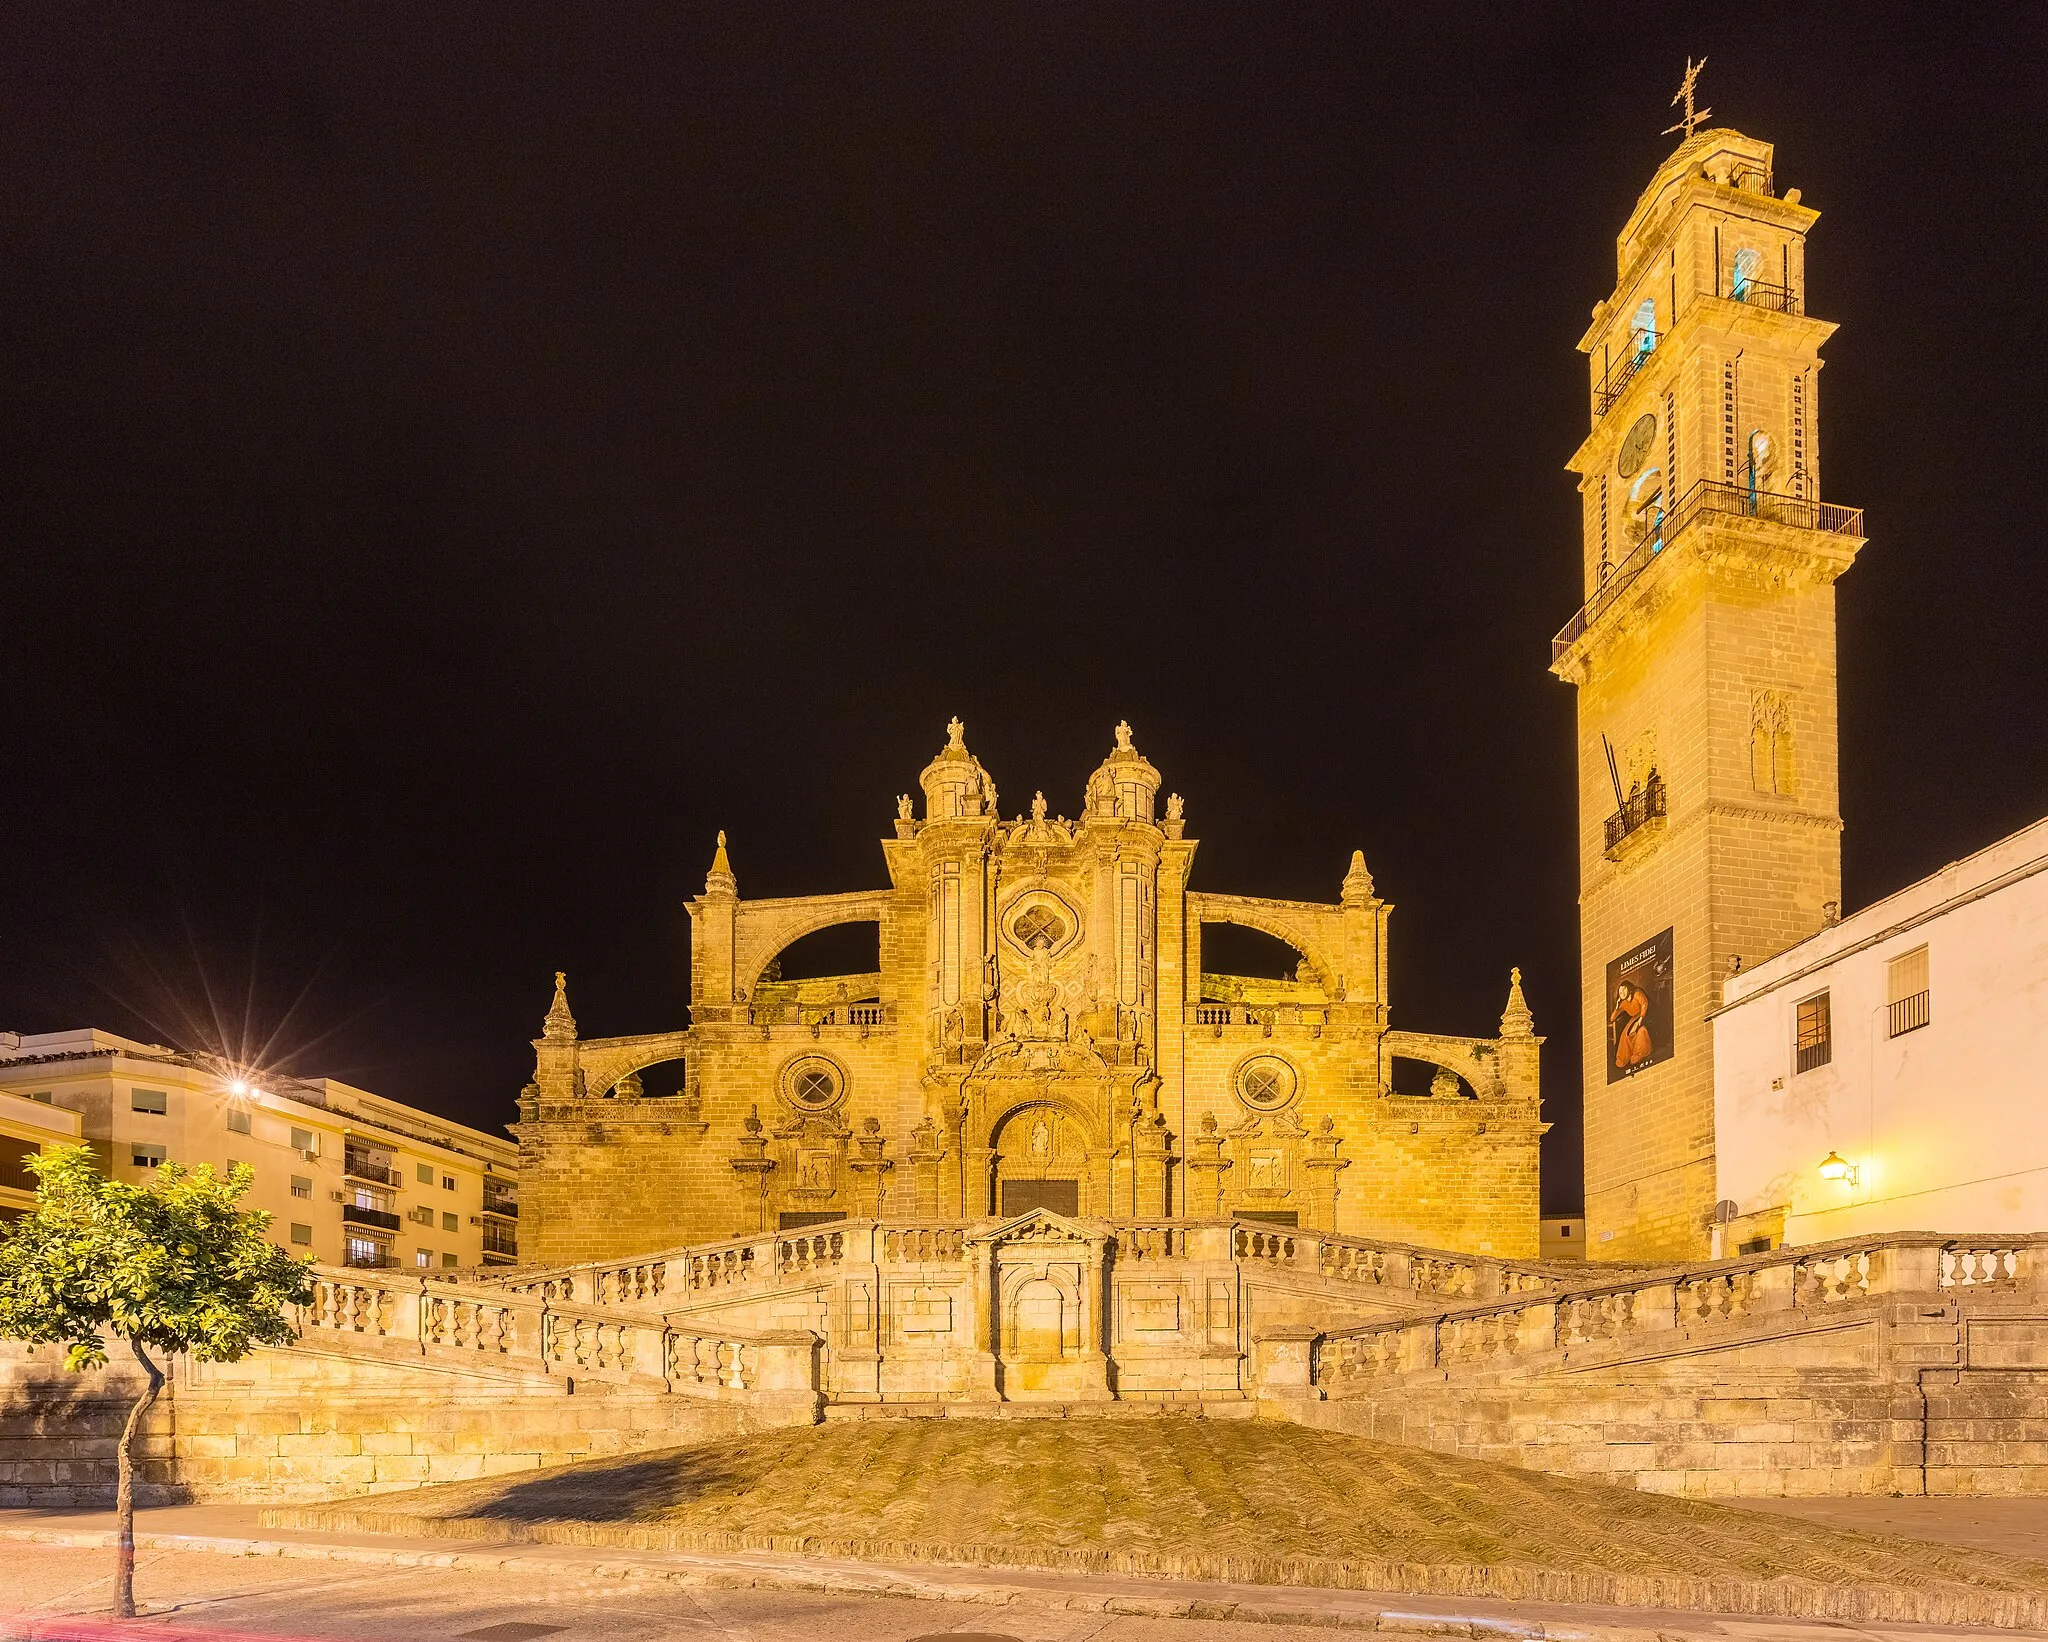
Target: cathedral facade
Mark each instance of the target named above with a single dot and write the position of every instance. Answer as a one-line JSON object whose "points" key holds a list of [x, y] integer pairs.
{"points": [[1040, 1033]]}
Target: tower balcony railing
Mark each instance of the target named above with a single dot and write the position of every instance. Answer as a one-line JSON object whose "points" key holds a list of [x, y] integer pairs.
{"points": [[1622, 372], [1708, 497], [1638, 810], [1757, 294]]}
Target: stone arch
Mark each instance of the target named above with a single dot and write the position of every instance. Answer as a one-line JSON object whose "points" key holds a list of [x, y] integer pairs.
{"points": [[604, 1061], [1277, 925], [1077, 1150], [1474, 1060], [765, 931]]}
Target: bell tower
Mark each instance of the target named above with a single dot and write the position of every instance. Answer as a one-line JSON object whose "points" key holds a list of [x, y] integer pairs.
{"points": [[1704, 659]]}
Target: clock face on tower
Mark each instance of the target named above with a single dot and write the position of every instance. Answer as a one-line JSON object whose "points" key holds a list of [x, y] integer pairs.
{"points": [[1635, 446]]}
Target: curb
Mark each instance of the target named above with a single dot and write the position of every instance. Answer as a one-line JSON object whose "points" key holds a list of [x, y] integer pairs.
{"points": [[884, 1582], [1947, 1602]]}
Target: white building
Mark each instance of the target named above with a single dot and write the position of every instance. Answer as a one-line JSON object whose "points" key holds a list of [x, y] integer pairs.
{"points": [[346, 1176], [1891, 1072]]}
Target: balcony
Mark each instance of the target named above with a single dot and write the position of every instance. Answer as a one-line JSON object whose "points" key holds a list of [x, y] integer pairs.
{"points": [[1780, 298], [506, 1207], [359, 1167], [500, 1240], [1638, 810], [370, 1260], [1620, 374], [354, 1214], [1909, 1014], [1708, 497]]}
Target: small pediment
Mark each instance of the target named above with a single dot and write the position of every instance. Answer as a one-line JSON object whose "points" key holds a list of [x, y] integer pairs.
{"points": [[1034, 1226]]}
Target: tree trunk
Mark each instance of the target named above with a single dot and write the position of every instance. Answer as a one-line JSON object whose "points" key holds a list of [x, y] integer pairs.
{"points": [[124, 1495]]}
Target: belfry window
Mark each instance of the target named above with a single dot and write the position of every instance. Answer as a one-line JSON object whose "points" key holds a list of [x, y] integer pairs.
{"points": [[1747, 261], [1643, 333]]}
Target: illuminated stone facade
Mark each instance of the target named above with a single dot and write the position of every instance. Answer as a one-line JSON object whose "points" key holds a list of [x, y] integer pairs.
{"points": [[1040, 1032], [1705, 665]]}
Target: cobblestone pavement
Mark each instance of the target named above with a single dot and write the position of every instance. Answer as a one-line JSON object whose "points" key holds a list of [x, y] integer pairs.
{"points": [[302, 1595], [2015, 1527]]}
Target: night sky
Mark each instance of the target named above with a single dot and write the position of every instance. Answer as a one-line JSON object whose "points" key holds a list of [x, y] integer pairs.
{"points": [[457, 459]]}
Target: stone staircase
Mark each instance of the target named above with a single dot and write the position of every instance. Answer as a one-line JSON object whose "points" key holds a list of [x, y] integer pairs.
{"points": [[1908, 1364], [1903, 1364]]}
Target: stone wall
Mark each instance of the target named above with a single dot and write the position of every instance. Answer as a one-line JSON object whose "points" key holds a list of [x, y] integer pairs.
{"points": [[302, 1425], [1903, 1365]]}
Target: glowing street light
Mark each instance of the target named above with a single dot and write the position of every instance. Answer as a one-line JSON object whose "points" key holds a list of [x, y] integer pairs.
{"points": [[1836, 1167]]}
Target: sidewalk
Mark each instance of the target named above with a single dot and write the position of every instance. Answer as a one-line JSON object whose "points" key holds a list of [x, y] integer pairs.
{"points": [[234, 1530]]}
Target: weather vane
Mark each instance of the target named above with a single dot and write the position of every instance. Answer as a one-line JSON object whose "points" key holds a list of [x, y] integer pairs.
{"points": [[1684, 95]]}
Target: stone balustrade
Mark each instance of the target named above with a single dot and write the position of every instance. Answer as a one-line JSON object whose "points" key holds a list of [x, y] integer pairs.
{"points": [[799, 1258], [1598, 1317], [519, 1330]]}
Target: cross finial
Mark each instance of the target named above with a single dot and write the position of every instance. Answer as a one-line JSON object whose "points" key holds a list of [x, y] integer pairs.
{"points": [[1684, 95]]}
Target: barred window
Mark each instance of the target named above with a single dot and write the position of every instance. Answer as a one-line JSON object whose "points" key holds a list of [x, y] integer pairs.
{"points": [[1906, 992], [1816, 1044]]}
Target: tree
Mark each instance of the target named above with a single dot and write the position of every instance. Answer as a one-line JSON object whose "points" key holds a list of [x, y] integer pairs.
{"points": [[173, 1266]]}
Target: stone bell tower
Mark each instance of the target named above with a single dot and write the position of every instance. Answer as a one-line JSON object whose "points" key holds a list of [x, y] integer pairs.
{"points": [[1704, 659]]}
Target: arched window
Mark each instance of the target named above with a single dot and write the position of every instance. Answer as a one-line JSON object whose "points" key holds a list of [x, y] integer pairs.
{"points": [[1747, 261], [1646, 509], [1643, 333], [1760, 463]]}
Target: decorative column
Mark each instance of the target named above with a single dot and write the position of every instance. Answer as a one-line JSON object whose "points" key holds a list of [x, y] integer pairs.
{"points": [[871, 1167], [927, 1158], [1151, 1164], [1094, 1321], [1206, 1164], [554, 1051], [1520, 1047], [752, 1162], [715, 989], [1322, 1165]]}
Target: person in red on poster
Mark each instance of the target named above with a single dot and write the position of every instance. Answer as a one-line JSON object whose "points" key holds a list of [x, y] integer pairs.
{"points": [[1629, 1027]]}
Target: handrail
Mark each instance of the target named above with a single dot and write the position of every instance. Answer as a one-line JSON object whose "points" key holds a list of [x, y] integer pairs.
{"points": [[1706, 496]]}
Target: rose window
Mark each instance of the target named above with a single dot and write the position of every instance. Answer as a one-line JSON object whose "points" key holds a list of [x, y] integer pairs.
{"points": [[1265, 1084], [1039, 926]]}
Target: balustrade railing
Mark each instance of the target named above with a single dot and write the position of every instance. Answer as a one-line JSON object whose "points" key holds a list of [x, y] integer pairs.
{"points": [[1616, 1316], [1715, 498]]}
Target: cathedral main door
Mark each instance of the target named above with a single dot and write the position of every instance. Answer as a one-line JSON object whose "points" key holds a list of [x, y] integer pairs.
{"points": [[1041, 1161]]}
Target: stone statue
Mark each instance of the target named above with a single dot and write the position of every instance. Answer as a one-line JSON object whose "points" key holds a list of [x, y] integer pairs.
{"points": [[903, 807], [1176, 807], [1123, 737]]}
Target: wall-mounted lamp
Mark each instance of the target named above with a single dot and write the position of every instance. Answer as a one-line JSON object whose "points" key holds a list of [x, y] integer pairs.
{"points": [[1836, 1167]]}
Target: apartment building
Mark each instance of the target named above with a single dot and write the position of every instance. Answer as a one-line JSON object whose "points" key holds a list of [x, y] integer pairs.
{"points": [[346, 1176], [26, 1128]]}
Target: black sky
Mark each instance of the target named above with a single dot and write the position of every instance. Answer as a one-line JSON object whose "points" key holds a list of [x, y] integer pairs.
{"points": [[459, 458]]}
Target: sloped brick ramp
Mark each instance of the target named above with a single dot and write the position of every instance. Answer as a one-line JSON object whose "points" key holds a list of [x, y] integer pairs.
{"points": [[1242, 1500]]}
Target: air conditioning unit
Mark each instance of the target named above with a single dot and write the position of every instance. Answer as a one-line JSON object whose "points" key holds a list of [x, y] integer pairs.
{"points": [[339, 1197], [476, 1220], [311, 1156]]}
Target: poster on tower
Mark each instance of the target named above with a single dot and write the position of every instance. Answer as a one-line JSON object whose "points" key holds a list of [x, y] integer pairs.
{"points": [[1639, 1008]]}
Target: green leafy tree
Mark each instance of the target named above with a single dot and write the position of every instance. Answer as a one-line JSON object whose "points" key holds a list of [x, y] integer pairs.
{"points": [[173, 1266]]}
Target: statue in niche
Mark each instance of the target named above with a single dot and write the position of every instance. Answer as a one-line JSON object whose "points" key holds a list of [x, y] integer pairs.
{"points": [[1041, 1140], [1036, 1013]]}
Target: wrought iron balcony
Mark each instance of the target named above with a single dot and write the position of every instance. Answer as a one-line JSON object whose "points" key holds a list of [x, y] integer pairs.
{"points": [[379, 1260], [358, 1167], [499, 1240], [1638, 810], [354, 1214], [1708, 497], [506, 1207], [1620, 374], [1759, 295]]}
